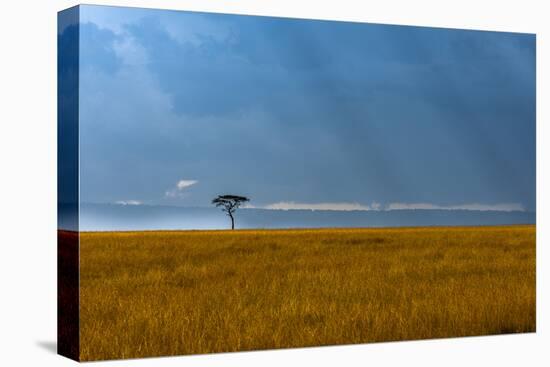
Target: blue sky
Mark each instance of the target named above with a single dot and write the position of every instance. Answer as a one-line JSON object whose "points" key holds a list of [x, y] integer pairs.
{"points": [[178, 107]]}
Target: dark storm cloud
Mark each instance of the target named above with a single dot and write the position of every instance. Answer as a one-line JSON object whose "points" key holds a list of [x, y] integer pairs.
{"points": [[305, 111]]}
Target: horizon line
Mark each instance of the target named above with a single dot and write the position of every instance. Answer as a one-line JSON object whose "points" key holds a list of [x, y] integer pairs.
{"points": [[267, 208]]}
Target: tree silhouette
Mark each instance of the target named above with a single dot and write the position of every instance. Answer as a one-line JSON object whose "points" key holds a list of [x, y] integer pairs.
{"points": [[230, 203]]}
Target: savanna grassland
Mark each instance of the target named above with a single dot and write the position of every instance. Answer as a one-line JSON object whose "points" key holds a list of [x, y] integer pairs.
{"points": [[164, 293]]}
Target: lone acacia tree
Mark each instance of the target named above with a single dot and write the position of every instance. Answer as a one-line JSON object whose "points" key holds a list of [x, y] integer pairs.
{"points": [[230, 203]]}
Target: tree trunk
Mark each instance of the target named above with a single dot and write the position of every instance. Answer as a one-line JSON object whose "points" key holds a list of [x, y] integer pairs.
{"points": [[232, 221]]}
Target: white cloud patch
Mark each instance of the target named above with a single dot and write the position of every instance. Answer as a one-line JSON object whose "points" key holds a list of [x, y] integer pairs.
{"points": [[376, 206], [128, 202], [291, 205], [180, 187], [347, 206], [502, 207], [408, 206], [182, 184]]}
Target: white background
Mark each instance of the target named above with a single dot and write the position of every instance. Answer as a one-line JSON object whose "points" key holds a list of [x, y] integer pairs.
{"points": [[28, 183]]}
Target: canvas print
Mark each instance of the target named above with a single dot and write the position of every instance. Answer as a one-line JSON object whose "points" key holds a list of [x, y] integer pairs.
{"points": [[234, 183]]}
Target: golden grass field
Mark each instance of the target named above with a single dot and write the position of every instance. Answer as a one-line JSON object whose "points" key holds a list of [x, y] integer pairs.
{"points": [[165, 293]]}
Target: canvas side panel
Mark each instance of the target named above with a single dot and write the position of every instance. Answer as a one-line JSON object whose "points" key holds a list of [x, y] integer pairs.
{"points": [[68, 343]]}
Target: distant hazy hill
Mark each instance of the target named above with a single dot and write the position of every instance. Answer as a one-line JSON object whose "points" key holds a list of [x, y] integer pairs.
{"points": [[111, 217]]}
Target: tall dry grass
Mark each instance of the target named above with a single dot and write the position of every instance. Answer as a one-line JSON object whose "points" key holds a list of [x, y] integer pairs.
{"points": [[165, 293]]}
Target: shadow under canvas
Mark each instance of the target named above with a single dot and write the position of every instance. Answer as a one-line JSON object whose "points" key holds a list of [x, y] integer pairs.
{"points": [[48, 345]]}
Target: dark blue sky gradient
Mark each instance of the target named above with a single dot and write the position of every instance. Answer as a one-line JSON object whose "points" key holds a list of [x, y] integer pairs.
{"points": [[302, 111]]}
